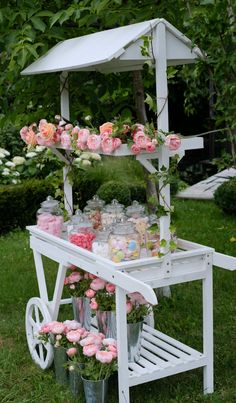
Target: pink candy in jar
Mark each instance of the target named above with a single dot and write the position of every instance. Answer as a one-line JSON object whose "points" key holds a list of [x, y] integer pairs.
{"points": [[83, 238], [49, 217]]}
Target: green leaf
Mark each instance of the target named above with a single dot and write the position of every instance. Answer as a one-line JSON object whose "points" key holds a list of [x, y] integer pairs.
{"points": [[38, 24], [163, 243], [22, 57], [55, 18], [32, 50], [151, 103]]}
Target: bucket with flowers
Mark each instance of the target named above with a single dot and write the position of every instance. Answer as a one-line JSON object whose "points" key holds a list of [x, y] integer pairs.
{"points": [[77, 283]]}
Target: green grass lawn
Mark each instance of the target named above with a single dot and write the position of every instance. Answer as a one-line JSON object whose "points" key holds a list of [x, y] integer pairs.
{"points": [[22, 381]]}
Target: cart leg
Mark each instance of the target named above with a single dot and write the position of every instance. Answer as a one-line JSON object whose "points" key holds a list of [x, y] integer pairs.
{"points": [[123, 375], [55, 304], [208, 383], [40, 276]]}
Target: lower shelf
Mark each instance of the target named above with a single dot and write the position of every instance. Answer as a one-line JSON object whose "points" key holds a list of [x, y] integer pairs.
{"points": [[162, 356]]}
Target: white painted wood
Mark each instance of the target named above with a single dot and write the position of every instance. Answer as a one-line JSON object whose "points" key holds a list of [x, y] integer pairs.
{"points": [[61, 273], [224, 261], [64, 90], [122, 345], [43, 292], [111, 50], [68, 195], [37, 315], [207, 292]]}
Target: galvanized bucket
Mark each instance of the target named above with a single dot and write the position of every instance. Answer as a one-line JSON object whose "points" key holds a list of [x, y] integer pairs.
{"points": [[95, 391], [134, 335], [82, 311], [75, 380], [106, 321], [60, 360]]}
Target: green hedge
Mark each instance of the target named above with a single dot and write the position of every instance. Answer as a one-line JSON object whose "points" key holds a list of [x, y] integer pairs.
{"points": [[19, 203], [225, 196]]}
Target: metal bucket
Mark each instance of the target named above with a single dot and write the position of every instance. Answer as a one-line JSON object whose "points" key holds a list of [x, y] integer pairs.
{"points": [[82, 311], [60, 360], [75, 380], [134, 333], [95, 391], [106, 321]]}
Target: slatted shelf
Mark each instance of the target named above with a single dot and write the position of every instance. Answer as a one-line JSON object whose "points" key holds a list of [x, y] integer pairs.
{"points": [[161, 356]]}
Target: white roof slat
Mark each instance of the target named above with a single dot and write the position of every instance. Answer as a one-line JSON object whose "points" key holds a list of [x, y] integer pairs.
{"points": [[113, 50]]}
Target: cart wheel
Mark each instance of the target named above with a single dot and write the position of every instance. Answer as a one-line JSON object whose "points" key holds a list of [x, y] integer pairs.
{"points": [[37, 314]]}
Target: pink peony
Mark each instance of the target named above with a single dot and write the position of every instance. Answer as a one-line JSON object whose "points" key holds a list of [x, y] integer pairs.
{"points": [[173, 142], [98, 284], [150, 147], [23, 132], [92, 276], [92, 338], [107, 145], [45, 329], [90, 350], [31, 138], [135, 149], [71, 351], [105, 357], [46, 130], [138, 128], [72, 325], [74, 277], [81, 145], [74, 336], [93, 142], [129, 306], [90, 293], [141, 139], [137, 297], [109, 342], [116, 142], [57, 328], [83, 135], [106, 128], [110, 288], [75, 131], [93, 304]]}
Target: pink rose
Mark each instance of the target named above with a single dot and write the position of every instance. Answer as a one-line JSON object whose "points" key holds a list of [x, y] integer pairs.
{"points": [[105, 357], [150, 147], [113, 350], [46, 130], [141, 139], [137, 297], [173, 142], [116, 142], [90, 293], [98, 284], [106, 128], [93, 304], [83, 135], [71, 351], [45, 329], [74, 277], [75, 131], [107, 145], [23, 132], [93, 142], [110, 287], [90, 350], [74, 336], [31, 138], [92, 338], [138, 128], [65, 140], [82, 146], [68, 126], [72, 287], [135, 149], [92, 276], [72, 325]]}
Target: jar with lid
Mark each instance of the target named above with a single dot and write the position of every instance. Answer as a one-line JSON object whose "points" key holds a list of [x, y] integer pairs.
{"points": [[124, 242], [50, 217], [93, 211], [153, 236], [112, 213], [100, 243], [74, 220], [136, 214], [82, 234]]}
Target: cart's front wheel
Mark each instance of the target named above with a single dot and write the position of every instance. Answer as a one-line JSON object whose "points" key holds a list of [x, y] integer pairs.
{"points": [[37, 314]]}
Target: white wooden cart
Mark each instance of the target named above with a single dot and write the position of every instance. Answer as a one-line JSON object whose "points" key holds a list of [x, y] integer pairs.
{"points": [[118, 50]]}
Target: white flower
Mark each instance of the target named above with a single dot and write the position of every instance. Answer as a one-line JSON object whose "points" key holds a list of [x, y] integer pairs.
{"points": [[16, 173], [39, 149], [77, 160], [10, 164], [6, 170], [86, 156], [86, 163], [5, 173], [78, 152], [96, 157], [18, 160], [2, 155], [31, 154], [0, 162], [14, 181], [88, 118], [4, 152]]}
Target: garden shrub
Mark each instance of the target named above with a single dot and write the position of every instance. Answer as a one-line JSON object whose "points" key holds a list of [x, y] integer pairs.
{"points": [[115, 190], [225, 196], [19, 203]]}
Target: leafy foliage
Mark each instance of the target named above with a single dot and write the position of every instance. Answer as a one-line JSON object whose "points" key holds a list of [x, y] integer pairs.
{"points": [[225, 196]]}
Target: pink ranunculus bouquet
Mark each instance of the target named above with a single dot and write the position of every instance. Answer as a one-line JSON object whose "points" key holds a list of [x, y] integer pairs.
{"points": [[78, 282], [56, 332], [137, 308]]}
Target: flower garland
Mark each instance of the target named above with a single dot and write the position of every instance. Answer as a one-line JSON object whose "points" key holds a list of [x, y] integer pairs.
{"points": [[109, 137]]}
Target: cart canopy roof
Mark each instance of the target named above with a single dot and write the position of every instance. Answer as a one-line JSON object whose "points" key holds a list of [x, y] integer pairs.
{"points": [[114, 50]]}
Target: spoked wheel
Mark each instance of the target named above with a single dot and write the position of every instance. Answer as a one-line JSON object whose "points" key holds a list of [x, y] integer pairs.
{"points": [[37, 314]]}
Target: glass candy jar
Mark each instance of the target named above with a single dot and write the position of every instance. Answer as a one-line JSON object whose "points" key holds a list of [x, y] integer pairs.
{"points": [[82, 234], [74, 220], [50, 217], [136, 214], [112, 213], [153, 236], [124, 242], [100, 243], [93, 211]]}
